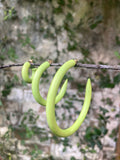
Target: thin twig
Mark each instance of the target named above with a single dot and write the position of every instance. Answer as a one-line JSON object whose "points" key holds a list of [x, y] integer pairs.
{"points": [[10, 65], [89, 66]]}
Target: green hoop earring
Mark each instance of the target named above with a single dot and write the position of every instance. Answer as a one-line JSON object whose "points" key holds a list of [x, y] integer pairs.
{"points": [[50, 106], [35, 85], [25, 74]]}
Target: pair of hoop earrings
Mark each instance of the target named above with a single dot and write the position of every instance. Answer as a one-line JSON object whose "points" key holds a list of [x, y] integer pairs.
{"points": [[52, 99]]}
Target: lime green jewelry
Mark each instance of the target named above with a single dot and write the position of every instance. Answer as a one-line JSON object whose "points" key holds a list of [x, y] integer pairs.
{"points": [[50, 106], [25, 73], [35, 85]]}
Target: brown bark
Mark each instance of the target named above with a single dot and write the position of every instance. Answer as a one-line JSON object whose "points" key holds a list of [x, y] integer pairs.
{"points": [[1, 158], [118, 146]]}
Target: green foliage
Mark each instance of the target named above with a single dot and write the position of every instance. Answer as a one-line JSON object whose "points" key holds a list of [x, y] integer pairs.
{"points": [[27, 127], [81, 87], [68, 76], [29, 18], [87, 149], [9, 85], [94, 22], [7, 88], [117, 54], [65, 143], [12, 54], [6, 153], [2, 57], [85, 52], [72, 158], [34, 153], [61, 2], [67, 105], [1, 103], [113, 134], [72, 46], [28, 118], [105, 81], [117, 79], [57, 10], [10, 13], [93, 134], [117, 40], [69, 17], [48, 34], [23, 83], [25, 40], [107, 101]]}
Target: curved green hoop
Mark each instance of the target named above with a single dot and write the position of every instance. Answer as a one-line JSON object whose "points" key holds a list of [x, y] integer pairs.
{"points": [[35, 85], [25, 72], [50, 106]]}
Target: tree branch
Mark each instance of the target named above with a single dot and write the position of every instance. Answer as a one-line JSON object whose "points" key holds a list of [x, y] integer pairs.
{"points": [[89, 66]]}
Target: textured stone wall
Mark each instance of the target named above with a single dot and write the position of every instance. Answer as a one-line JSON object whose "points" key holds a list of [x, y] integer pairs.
{"points": [[57, 30]]}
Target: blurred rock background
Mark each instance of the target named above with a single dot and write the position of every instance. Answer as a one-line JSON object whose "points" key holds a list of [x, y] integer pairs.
{"points": [[59, 30]]}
